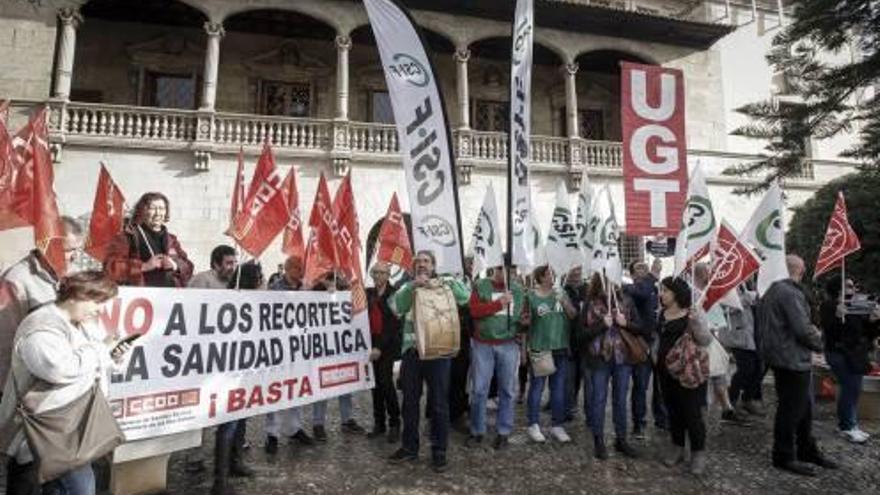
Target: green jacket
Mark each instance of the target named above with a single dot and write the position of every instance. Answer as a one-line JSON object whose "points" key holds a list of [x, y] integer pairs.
{"points": [[401, 303], [490, 325]]}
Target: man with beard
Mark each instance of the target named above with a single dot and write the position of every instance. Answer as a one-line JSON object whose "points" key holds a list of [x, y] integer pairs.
{"points": [[414, 370], [223, 265]]}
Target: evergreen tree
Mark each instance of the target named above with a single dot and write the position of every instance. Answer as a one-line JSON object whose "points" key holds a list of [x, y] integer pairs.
{"points": [[807, 229], [833, 94]]}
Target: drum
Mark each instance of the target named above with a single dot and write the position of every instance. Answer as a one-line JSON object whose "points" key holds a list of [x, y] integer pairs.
{"points": [[435, 321]]}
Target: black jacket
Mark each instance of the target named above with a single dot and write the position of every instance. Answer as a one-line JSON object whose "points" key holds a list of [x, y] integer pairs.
{"points": [[389, 341], [853, 337], [788, 338]]}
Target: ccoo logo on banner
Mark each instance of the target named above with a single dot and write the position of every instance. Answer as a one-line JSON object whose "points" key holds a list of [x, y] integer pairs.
{"points": [[654, 150]]}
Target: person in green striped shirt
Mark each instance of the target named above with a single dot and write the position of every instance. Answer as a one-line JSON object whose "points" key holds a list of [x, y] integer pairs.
{"points": [[414, 370], [546, 312]]}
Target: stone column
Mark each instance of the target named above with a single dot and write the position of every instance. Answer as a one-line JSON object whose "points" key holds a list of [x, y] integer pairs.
{"points": [[212, 62], [571, 105], [343, 46], [462, 55], [70, 21]]}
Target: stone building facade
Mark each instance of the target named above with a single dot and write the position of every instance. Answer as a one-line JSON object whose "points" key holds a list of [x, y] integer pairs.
{"points": [[166, 91]]}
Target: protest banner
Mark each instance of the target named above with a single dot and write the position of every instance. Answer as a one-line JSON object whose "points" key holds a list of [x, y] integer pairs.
{"points": [[654, 150], [211, 356]]}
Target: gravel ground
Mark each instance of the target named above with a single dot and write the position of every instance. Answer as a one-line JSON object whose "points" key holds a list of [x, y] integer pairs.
{"points": [[739, 463]]}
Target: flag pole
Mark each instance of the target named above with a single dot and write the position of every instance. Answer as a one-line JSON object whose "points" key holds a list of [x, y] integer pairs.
{"points": [[842, 285]]}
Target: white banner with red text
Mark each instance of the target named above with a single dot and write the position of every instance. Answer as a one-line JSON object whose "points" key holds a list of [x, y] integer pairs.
{"points": [[211, 356]]}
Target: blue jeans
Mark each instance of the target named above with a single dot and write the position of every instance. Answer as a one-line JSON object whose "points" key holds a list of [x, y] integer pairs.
{"points": [[850, 387], [319, 410], [80, 481], [618, 375], [557, 391], [413, 373], [502, 361]]}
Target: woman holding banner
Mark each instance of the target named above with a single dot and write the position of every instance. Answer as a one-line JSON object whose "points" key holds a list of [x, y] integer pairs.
{"points": [[145, 253], [546, 312], [611, 322]]}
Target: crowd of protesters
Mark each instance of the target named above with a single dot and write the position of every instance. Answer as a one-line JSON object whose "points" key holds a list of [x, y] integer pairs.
{"points": [[545, 330]]}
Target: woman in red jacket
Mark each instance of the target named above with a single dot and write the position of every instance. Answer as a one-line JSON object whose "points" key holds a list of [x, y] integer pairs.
{"points": [[145, 253]]}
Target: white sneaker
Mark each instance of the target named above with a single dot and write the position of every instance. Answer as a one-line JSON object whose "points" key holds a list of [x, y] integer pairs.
{"points": [[854, 435], [862, 434], [558, 433], [534, 432]]}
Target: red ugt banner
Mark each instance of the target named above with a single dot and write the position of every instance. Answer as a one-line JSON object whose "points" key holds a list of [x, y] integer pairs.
{"points": [[654, 149]]}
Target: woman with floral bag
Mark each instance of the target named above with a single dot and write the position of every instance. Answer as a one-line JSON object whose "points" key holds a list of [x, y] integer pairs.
{"points": [[683, 369]]}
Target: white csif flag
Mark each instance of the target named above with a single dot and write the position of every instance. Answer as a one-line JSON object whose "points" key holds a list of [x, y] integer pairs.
{"points": [[486, 241], [423, 133], [699, 225], [519, 201], [765, 231], [606, 250], [563, 249], [586, 234]]}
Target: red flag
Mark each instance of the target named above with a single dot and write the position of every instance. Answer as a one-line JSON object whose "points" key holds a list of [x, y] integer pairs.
{"points": [[394, 244], [293, 244], [733, 263], [34, 197], [238, 190], [264, 213], [348, 242], [840, 239], [9, 167], [321, 251], [108, 213]]}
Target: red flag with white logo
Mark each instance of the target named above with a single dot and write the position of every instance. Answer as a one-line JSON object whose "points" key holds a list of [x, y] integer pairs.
{"points": [[394, 246], [733, 262], [264, 213], [655, 175], [840, 239], [347, 239], [293, 244], [321, 250], [348, 242], [34, 197], [108, 214]]}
